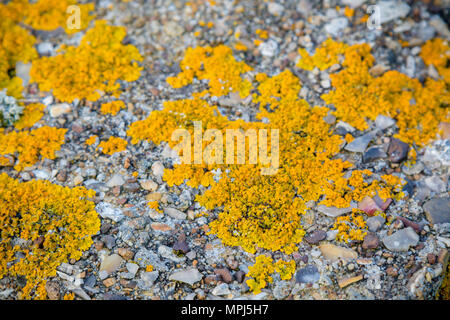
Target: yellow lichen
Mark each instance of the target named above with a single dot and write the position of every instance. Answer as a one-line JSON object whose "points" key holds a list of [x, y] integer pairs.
{"points": [[112, 107], [31, 114], [325, 56], [42, 226], [437, 52], [32, 145], [91, 69], [91, 140], [350, 227], [112, 145]]}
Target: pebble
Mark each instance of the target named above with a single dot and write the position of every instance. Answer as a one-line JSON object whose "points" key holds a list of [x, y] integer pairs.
{"points": [[189, 276], [149, 185], [125, 253], [316, 236], [175, 213], [333, 253], [392, 10], [371, 241], [437, 210], [225, 274], [374, 153], [106, 210], [167, 252], [116, 180], [275, 8], [413, 169], [59, 109], [132, 267], [336, 25], [375, 223], [269, 48], [401, 240], [147, 280], [308, 274], [158, 169], [23, 72], [45, 48], [435, 184], [221, 290], [397, 150], [111, 263], [335, 212], [348, 281], [360, 144]]}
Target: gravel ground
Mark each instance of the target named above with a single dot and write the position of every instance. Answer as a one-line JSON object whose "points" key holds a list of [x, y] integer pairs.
{"points": [[188, 263]]}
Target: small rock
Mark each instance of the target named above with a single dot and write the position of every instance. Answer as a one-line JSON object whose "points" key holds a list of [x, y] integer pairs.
{"points": [[109, 282], [125, 253], [374, 153], [158, 169], [316, 236], [401, 240], [391, 271], [132, 267], [413, 169], [431, 258], [148, 279], [225, 274], [360, 144], [221, 290], [240, 275], [181, 245], [167, 252], [175, 213], [371, 241], [335, 212], [52, 288], [308, 274], [59, 109], [397, 150], [149, 185], [375, 223], [333, 253], [275, 8], [116, 180], [435, 184], [347, 281], [392, 10], [268, 48], [45, 48], [111, 263], [336, 25], [106, 210], [189, 276]]}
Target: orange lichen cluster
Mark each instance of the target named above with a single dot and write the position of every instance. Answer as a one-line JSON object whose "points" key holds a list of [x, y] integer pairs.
{"points": [[31, 114], [437, 52], [358, 96], [92, 69], [16, 45], [324, 57], [262, 211], [260, 272], [112, 107], [218, 66], [91, 140], [155, 206], [30, 146], [113, 145], [350, 227], [42, 226]]}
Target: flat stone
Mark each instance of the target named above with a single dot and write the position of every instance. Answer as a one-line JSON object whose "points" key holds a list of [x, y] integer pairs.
{"points": [[348, 281], [392, 10], [411, 170], [375, 223], [437, 210], [158, 168], [371, 241], [435, 184], [308, 274], [132, 267], [360, 144], [111, 263], [175, 213], [333, 253], [373, 154], [106, 210], [275, 8], [401, 240], [149, 185], [225, 274], [146, 257], [397, 150], [335, 212], [23, 72], [167, 252], [147, 280], [221, 290], [382, 122], [59, 109], [316, 236], [336, 25], [189, 276]]}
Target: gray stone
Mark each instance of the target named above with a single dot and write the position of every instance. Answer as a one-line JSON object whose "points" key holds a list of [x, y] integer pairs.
{"points": [[373, 154], [308, 274], [392, 10], [175, 213], [111, 263], [335, 212], [132, 267], [275, 8], [189, 276], [45, 48], [116, 180], [435, 184], [382, 122], [282, 290], [336, 25], [23, 72], [147, 280], [106, 210], [221, 290], [411, 170], [146, 257], [437, 210], [268, 48], [401, 240], [167, 252], [360, 144], [398, 150], [59, 109], [375, 223]]}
